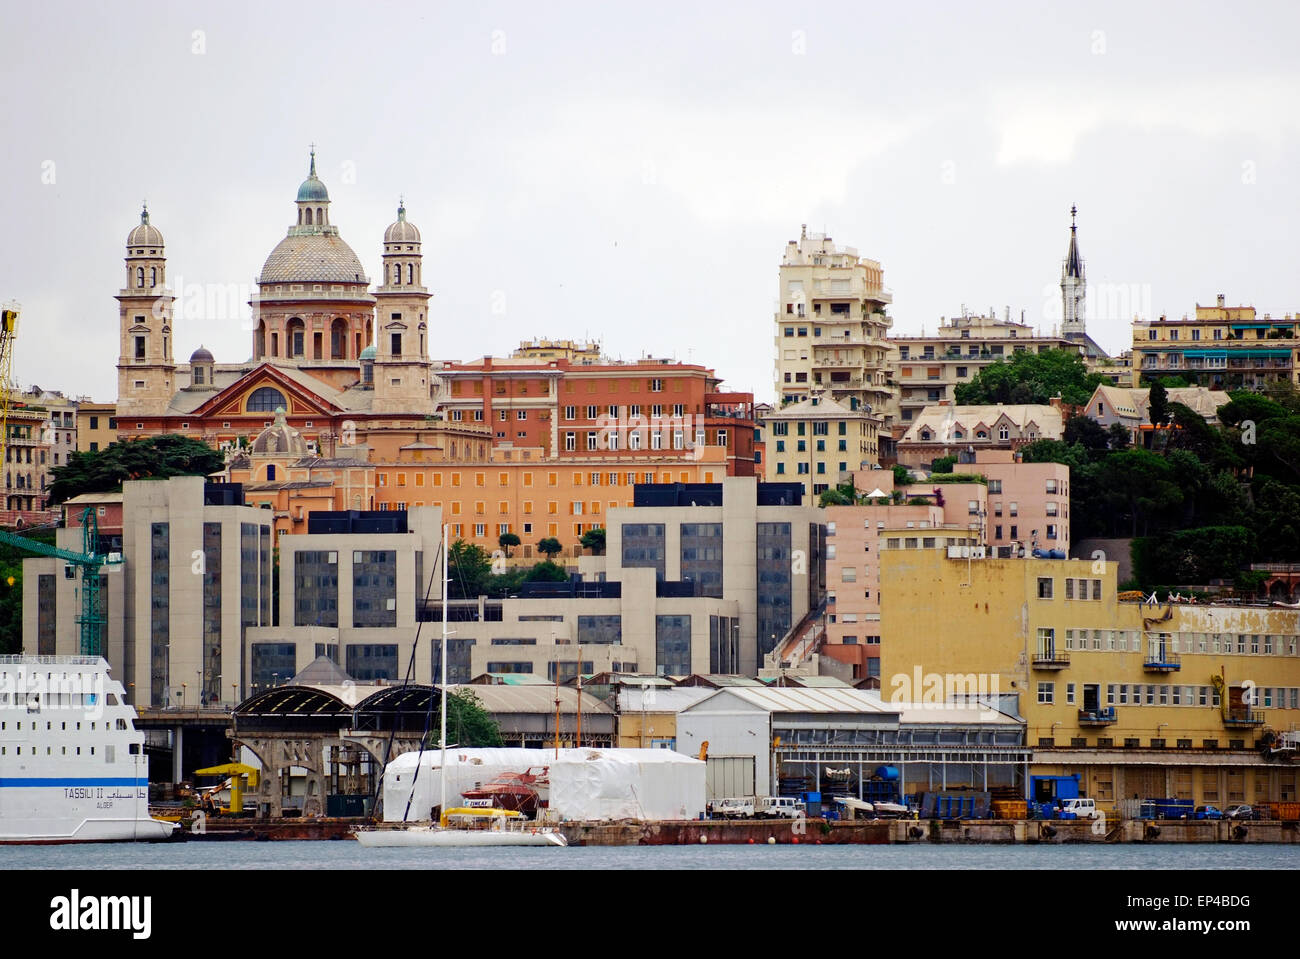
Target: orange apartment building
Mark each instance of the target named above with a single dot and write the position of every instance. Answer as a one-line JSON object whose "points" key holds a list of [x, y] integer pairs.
{"points": [[515, 490], [573, 407]]}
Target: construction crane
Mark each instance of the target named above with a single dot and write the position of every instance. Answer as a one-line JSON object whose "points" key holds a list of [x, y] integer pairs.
{"points": [[90, 560], [242, 777], [8, 332]]}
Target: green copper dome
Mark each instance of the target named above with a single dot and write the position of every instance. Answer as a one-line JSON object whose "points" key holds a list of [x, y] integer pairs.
{"points": [[312, 189], [368, 353]]}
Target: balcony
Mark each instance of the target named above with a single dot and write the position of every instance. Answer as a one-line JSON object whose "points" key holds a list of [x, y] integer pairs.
{"points": [[1243, 717], [1051, 659], [1097, 717], [1161, 662]]}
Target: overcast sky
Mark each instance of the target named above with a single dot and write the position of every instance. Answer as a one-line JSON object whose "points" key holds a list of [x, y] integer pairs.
{"points": [[632, 173]]}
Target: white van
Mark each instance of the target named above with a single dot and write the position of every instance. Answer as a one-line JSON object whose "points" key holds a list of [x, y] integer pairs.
{"points": [[1081, 808], [733, 808], [781, 807]]}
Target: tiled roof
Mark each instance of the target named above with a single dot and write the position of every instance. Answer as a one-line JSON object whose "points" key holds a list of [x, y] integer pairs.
{"points": [[312, 258]]}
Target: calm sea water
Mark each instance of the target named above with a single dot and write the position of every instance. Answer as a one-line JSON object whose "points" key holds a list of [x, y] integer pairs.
{"points": [[347, 854]]}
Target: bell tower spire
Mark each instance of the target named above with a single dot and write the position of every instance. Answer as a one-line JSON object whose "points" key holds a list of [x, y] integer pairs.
{"points": [[1073, 285]]}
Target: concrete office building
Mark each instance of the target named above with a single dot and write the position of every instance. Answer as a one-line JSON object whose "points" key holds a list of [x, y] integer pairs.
{"points": [[349, 590], [194, 578]]}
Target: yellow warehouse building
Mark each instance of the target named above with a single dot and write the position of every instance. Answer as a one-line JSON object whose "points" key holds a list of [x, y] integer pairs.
{"points": [[1128, 695]]}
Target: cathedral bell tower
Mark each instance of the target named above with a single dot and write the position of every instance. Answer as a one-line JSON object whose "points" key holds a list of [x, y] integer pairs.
{"points": [[146, 371], [1073, 286], [401, 365]]}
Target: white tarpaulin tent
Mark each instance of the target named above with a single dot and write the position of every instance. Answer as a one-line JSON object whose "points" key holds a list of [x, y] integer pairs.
{"points": [[627, 784], [585, 783], [466, 768]]}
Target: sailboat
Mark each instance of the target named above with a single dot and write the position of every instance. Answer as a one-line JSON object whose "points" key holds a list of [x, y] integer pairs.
{"points": [[473, 824]]}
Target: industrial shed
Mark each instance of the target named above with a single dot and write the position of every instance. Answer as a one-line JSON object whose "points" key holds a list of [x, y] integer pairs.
{"points": [[790, 736]]}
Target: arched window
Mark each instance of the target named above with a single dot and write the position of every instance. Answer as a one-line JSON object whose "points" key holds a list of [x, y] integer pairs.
{"points": [[397, 275], [198, 376], [320, 216], [260, 344], [300, 216], [309, 216], [270, 471], [338, 339], [139, 276], [153, 276], [265, 400], [294, 337], [410, 273]]}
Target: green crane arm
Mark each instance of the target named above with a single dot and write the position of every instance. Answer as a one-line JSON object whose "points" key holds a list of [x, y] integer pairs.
{"points": [[92, 622], [45, 549]]}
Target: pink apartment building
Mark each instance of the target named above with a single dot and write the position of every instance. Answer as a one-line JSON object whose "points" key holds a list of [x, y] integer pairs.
{"points": [[1020, 498]]}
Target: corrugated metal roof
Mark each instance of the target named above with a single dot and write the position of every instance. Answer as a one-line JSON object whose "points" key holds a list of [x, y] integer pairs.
{"points": [[658, 700], [791, 699], [945, 713], [531, 699], [517, 679], [821, 682]]}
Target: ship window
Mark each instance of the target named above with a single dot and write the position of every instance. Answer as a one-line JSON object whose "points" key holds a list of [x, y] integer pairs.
{"points": [[121, 724], [92, 750], [109, 753], [135, 749]]}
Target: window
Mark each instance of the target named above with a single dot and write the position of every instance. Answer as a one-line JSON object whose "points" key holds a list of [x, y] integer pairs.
{"points": [[570, 442], [266, 400], [1044, 587], [1046, 693]]}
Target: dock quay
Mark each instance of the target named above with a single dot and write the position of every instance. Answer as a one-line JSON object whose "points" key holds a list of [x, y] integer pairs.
{"points": [[806, 832]]}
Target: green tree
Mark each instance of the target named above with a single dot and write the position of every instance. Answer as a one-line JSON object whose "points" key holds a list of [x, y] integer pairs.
{"points": [[550, 547], [943, 464], [1117, 437], [902, 476], [842, 495], [470, 571], [468, 722], [547, 572], [11, 593], [1144, 484], [157, 457], [1158, 405], [506, 541], [594, 540], [1032, 378], [1088, 433]]}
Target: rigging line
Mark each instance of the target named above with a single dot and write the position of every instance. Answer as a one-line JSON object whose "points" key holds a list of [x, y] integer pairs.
{"points": [[410, 669]]}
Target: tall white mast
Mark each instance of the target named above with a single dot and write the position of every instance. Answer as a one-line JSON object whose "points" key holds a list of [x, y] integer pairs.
{"points": [[446, 558]]}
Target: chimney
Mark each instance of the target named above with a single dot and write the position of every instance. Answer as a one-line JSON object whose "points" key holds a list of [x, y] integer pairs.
{"points": [[1221, 298]]}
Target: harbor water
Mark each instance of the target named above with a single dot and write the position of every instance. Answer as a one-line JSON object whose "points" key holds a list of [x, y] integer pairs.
{"points": [[347, 854]]}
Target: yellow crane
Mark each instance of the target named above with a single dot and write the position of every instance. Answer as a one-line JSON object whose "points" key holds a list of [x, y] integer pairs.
{"points": [[241, 777], [8, 332]]}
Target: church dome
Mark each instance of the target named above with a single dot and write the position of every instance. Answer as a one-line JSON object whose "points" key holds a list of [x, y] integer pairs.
{"points": [[202, 355], [312, 189], [401, 231], [146, 234], [312, 258], [280, 438], [368, 353]]}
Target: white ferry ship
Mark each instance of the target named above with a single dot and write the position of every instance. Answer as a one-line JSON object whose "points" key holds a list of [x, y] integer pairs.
{"points": [[72, 765]]}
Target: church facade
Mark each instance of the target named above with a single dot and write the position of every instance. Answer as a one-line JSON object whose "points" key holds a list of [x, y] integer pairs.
{"points": [[343, 359]]}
